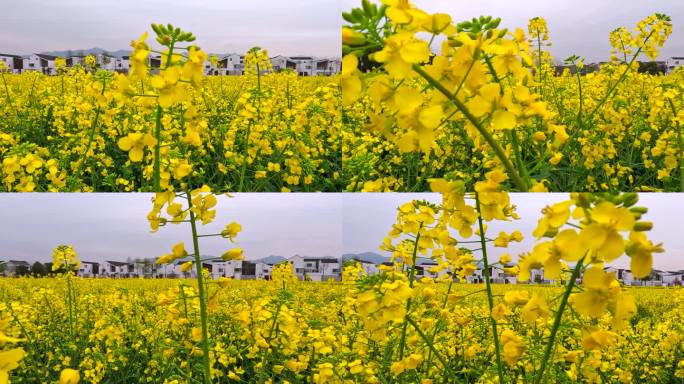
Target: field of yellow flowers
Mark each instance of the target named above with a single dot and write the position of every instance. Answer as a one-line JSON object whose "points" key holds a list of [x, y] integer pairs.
{"points": [[91, 130], [388, 327], [144, 331], [428, 97]]}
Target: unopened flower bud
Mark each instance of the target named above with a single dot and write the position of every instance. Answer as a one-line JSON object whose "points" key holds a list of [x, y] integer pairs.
{"points": [[642, 226], [629, 199]]}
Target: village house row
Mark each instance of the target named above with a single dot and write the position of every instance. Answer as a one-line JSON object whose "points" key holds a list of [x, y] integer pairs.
{"points": [[231, 64], [313, 269]]}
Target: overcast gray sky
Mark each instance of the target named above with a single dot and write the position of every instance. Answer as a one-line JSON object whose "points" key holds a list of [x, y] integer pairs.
{"points": [[114, 226], [368, 218], [576, 26], [292, 27]]}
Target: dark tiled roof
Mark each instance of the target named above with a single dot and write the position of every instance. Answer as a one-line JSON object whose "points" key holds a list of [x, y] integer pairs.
{"points": [[46, 57], [117, 263]]}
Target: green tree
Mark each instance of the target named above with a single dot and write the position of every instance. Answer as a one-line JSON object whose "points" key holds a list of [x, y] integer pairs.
{"points": [[38, 269], [21, 270]]}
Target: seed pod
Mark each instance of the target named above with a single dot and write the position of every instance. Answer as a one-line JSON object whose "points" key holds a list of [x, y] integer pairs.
{"points": [[455, 43], [381, 11], [348, 17], [643, 226], [551, 232], [366, 5], [629, 199], [494, 24], [358, 14], [374, 10]]}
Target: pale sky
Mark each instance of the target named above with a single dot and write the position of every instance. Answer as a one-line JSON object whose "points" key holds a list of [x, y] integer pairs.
{"points": [[576, 26], [368, 218], [105, 226], [113, 226], [293, 27]]}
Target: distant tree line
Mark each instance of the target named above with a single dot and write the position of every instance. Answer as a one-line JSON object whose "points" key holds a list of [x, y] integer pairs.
{"points": [[37, 269]]}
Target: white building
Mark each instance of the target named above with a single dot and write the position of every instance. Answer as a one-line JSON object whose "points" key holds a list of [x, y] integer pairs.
{"points": [[280, 63], [368, 267], [106, 62], [75, 60], [89, 269], [230, 64], [122, 64], [117, 269], [13, 63], [316, 268], [326, 67], [426, 268], [220, 268], [673, 278], [13, 266], [303, 65], [40, 63], [674, 62]]}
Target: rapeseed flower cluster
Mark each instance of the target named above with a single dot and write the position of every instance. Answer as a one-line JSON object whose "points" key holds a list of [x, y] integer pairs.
{"points": [[428, 97], [165, 125]]}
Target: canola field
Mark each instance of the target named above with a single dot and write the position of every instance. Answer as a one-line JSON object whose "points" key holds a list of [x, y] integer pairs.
{"points": [[146, 331], [157, 128], [427, 96], [402, 323]]}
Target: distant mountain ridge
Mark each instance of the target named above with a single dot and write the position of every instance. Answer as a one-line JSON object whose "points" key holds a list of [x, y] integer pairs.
{"points": [[270, 259], [91, 51], [376, 258], [371, 257], [119, 53]]}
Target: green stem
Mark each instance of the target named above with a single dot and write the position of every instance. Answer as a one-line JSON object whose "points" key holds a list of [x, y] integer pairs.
{"points": [[539, 63], [681, 146], [556, 322], [91, 136], [412, 275], [438, 325], [243, 171], [9, 98], [581, 100], [432, 348], [490, 296], [157, 146], [202, 294], [517, 180], [71, 311]]}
